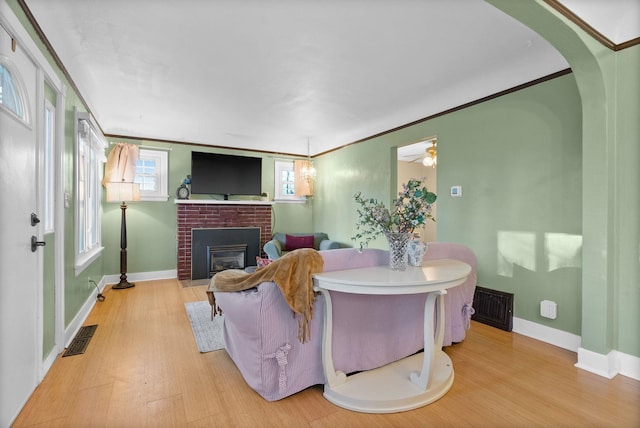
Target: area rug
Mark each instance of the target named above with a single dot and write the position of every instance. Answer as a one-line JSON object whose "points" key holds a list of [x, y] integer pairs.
{"points": [[207, 332]]}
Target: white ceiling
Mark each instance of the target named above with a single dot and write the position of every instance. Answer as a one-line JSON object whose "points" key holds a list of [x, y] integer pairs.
{"points": [[269, 75]]}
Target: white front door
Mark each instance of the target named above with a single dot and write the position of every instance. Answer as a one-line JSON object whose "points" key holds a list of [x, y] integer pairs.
{"points": [[20, 268]]}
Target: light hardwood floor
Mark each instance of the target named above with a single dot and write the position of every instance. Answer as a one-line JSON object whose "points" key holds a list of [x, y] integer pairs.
{"points": [[142, 369]]}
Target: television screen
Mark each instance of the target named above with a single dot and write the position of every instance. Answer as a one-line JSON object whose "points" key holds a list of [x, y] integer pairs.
{"points": [[218, 174]]}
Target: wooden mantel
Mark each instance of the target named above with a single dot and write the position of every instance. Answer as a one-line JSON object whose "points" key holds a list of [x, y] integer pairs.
{"points": [[220, 202]]}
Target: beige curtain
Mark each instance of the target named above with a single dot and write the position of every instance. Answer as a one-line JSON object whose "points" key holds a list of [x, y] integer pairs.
{"points": [[303, 186], [121, 164]]}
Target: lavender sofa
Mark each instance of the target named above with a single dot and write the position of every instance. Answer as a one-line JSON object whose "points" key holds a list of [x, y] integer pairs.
{"points": [[261, 333]]}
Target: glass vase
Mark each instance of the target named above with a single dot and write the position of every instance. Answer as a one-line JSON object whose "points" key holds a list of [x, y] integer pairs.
{"points": [[398, 246], [417, 250]]}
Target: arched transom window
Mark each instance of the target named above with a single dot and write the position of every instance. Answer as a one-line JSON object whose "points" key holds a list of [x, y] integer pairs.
{"points": [[11, 94]]}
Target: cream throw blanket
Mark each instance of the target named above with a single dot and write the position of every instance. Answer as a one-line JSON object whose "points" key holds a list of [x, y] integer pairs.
{"points": [[291, 272]]}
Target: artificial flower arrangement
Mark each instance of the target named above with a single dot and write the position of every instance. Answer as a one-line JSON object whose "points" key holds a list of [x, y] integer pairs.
{"points": [[412, 209]]}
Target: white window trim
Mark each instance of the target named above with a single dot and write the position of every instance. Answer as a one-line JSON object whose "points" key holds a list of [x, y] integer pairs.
{"points": [[162, 166], [284, 165], [49, 182], [99, 144]]}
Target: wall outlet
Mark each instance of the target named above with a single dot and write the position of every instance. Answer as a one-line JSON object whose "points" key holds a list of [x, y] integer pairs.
{"points": [[548, 309]]}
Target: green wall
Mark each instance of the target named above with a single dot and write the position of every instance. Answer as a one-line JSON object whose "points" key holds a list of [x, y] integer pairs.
{"points": [[609, 89], [518, 160], [627, 175], [151, 226]]}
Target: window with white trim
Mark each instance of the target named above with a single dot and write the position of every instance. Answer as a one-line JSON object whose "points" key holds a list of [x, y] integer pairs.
{"points": [[284, 185], [89, 157], [152, 174]]}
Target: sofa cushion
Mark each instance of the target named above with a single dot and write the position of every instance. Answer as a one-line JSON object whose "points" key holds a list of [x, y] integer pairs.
{"points": [[293, 242]]}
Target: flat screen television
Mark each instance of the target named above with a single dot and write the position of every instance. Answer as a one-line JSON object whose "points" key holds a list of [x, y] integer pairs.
{"points": [[219, 174]]}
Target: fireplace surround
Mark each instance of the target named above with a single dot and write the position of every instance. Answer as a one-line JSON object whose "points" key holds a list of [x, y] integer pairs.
{"points": [[212, 214], [226, 242]]}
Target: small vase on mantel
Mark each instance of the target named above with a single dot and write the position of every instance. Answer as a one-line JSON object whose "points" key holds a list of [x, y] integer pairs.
{"points": [[398, 246]]}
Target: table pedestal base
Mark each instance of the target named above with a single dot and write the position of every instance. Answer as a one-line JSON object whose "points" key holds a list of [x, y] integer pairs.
{"points": [[388, 389]]}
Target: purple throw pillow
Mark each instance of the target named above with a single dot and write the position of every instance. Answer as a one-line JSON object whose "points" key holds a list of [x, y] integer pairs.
{"points": [[294, 242]]}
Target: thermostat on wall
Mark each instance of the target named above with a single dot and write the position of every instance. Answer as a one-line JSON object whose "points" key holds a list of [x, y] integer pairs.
{"points": [[456, 191]]}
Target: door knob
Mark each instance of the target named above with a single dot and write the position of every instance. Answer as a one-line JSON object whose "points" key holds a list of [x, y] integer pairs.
{"points": [[35, 244], [34, 219]]}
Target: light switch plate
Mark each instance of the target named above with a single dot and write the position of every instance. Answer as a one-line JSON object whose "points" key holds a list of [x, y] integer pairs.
{"points": [[456, 191]]}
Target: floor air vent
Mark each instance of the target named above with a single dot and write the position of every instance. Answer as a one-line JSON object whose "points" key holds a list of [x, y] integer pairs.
{"points": [[79, 343], [494, 308]]}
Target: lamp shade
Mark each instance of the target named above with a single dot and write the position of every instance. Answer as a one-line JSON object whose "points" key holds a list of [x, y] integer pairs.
{"points": [[122, 192]]}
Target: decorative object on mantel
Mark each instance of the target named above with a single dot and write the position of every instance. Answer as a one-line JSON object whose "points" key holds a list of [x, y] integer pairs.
{"points": [[410, 210], [183, 192]]}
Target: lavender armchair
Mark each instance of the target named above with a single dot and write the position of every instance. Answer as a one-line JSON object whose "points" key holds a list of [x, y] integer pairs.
{"points": [[260, 332]]}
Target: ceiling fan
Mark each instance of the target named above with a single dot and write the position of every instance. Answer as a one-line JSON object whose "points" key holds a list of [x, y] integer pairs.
{"points": [[430, 156]]}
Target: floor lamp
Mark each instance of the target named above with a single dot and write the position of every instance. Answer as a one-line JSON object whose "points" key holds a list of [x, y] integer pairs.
{"points": [[123, 192]]}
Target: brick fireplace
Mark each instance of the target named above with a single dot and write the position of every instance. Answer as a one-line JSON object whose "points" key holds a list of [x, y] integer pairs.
{"points": [[196, 214]]}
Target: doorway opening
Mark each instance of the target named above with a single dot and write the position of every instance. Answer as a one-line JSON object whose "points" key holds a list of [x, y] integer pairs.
{"points": [[419, 160]]}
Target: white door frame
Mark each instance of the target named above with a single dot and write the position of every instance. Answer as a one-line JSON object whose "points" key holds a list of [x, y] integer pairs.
{"points": [[46, 72]]}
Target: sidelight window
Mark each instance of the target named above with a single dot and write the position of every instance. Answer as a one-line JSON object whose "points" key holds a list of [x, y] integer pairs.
{"points": [[89, 155]]}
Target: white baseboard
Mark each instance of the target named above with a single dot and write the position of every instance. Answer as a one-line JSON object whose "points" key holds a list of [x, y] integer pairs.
{"points": [[75, 324], [629, 365], [608, 366], [142, 276], [603, 365], [546, 334], [48, 362]]}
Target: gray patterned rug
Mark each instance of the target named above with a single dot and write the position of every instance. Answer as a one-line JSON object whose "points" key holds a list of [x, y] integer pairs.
{"points": [[207, 332]]}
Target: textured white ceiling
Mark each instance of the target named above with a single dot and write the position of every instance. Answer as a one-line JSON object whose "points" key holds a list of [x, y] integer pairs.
{"points": [[617, 20], [269, 75]]}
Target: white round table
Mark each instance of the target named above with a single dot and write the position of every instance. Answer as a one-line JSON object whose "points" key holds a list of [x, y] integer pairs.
{"points": [[411, 382]]}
